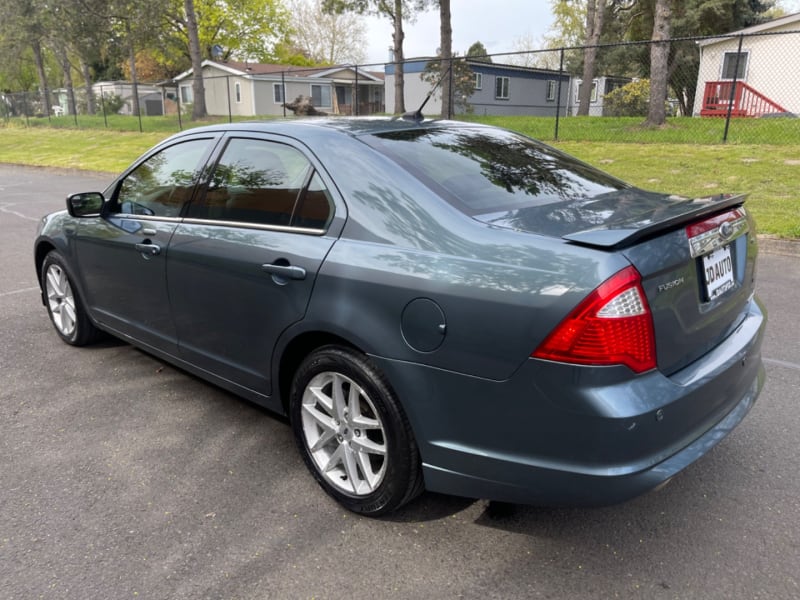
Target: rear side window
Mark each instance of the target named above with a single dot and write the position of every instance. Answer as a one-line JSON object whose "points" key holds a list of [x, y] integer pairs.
{"points": [[163, 183], [264, 183], [482, 172]]}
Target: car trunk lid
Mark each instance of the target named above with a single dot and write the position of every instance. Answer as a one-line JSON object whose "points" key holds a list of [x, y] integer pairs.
{"points": [[695, 256]]}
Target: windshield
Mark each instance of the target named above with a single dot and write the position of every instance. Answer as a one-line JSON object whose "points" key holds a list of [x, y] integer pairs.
{"points": [[486, 172]]}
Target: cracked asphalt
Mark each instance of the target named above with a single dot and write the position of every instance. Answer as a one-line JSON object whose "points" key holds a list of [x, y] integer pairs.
{"points": [[123, 477]]}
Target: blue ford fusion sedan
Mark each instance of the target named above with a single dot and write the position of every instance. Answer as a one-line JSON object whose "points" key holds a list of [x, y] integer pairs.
{"points": [[434, 305]]}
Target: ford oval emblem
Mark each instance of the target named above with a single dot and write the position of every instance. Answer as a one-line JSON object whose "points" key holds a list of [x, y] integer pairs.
{"points": [[726, 230]]}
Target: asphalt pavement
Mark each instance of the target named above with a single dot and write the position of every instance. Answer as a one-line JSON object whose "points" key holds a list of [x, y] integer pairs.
{"points": [[123, 477]]}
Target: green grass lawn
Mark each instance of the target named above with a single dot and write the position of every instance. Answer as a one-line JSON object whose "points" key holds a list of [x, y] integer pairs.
{"points": [[769, 172]]}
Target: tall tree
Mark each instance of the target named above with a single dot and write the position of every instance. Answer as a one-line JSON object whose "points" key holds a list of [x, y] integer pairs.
{"points": [[326, 37], [478, 52], [446, 53], [569, 24], [25, 25], [595, 11], [195, 55], [659, 64], [396, 11]]}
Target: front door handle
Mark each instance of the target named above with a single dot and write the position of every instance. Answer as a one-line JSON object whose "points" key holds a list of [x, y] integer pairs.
{"points": [[151, 249], [285, 271]]}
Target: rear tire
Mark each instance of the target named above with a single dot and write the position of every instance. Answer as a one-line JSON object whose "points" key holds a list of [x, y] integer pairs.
{"points": [[352, 432], [64, 305]]}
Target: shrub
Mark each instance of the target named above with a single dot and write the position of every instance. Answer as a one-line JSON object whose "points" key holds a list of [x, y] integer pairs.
{"points": [[630, 100], [112, 103]]}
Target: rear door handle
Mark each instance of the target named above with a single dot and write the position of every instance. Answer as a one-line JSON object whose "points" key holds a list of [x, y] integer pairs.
{"points": [[285, 271], [151, 249]]}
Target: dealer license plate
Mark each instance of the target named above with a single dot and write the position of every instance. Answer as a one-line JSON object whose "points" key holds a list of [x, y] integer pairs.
{"points": [[718, 272]]}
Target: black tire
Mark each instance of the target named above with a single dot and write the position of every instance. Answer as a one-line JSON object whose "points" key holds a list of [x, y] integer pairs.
{"points": [[352, 432], [64, 304]]}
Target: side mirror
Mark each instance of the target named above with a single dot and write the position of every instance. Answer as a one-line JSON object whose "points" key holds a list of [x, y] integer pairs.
{"points": [[85, 204]]}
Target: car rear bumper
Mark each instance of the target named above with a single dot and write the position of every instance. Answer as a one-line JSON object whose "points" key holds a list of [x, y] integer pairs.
{"points": [[559, 435]]}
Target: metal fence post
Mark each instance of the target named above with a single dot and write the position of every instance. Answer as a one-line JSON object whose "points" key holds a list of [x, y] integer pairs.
{"points": [[732, 95], [558, 93]]}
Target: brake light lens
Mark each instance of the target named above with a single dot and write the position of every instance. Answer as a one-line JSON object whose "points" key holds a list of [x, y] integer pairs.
{"points": [[612, 326]]}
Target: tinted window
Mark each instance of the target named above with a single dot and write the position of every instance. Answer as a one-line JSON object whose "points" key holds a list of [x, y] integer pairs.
{"points": [[482, 171], [163, 183], [264, 183]]}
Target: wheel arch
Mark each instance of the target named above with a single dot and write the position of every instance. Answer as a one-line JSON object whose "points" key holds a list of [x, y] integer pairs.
{"points": [[296, 351], [42, 249]]}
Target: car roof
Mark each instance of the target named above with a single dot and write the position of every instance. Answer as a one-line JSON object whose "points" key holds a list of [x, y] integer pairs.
{"points": [[313, 126]]}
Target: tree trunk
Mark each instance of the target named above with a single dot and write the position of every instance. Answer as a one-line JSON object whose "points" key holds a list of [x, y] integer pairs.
{"points": [[399, 83], [43, 89], [66, 69], [595, 10], [659, 63], [132, 63], [87, 78], [446, 63], [198, 89]]}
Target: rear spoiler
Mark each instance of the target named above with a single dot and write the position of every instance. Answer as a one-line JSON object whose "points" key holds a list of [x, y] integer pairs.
{"points": [[680, 214]]}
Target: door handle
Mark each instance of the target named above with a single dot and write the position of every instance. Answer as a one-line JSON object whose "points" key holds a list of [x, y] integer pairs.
{"points": [[151, 249], [285, 271]]}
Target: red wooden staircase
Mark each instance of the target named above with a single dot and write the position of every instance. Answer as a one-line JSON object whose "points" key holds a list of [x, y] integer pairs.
{"points": [[747, 102]]}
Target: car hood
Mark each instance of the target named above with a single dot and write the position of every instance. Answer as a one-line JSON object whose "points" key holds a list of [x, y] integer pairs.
{"points": [[611, 220]]}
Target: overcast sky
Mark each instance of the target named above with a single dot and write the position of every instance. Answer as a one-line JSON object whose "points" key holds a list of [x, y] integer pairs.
{"points": [[495, 23]]}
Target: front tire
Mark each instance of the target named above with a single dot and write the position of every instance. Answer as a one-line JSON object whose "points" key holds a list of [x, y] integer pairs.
{"points": [[64, 305], [352, 432]]}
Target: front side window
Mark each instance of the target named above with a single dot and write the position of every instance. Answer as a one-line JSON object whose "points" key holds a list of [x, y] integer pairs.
{"points": [[265, 183], [163, 183], [478, 81], [238, 91], [320, 95], [734, 65], [501, 88]]}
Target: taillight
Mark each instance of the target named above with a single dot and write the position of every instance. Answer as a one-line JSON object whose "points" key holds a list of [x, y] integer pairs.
{"points": [[612, 326]]}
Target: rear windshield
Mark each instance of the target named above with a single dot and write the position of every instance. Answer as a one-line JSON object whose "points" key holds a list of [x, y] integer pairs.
{"points": [[482, 171]]}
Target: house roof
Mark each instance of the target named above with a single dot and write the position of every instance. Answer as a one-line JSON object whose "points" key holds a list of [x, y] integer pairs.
{"points": [[418, 65], [265, 70], [760, 28]]}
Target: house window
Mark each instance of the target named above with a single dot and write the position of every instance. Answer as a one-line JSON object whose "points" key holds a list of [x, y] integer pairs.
{"points": [[551, 90], [729, 65], [592, 96], [478, 81], [321, 95], [237, 87], [501, 88], [277, 93], [187, 95]]}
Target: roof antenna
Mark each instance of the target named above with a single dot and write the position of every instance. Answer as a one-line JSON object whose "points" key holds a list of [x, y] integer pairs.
{"points": [[417, 115]]}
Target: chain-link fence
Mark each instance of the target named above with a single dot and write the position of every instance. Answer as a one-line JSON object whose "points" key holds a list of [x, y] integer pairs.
{"points": [[735, 88]]}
